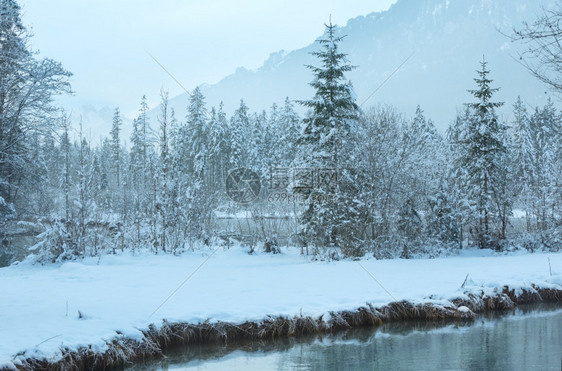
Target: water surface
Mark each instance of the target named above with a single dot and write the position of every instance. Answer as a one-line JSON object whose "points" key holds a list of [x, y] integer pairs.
{"points": [[528, 338]]}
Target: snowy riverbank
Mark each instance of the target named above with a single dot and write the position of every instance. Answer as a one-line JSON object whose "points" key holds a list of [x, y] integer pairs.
{"points": [[76, 304]]}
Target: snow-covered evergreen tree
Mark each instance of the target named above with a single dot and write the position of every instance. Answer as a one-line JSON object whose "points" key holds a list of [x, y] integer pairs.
{"points": [[544, 126], [142, 168], [522, 153], [219, 148], [165, 193], [287, 126], [239, 136], [199, 194], [326, 145], [66, 174], [116, 144], [197, 134], [425, 184], [483, 157]]}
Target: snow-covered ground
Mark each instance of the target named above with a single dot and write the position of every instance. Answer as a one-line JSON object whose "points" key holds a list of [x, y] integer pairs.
{"points": [[40, 305]]}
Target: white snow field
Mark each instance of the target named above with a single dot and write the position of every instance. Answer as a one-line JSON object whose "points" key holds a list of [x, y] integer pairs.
{"points": [[39, 305]]}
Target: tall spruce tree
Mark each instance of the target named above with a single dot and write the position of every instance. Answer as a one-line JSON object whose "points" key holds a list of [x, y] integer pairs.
{"points": [[199, 195], [197, 134], [219, 147], [326, 153], [240, 134], [116, 144], [164, 196], [483, 156], [288, 122], [141, 177]]}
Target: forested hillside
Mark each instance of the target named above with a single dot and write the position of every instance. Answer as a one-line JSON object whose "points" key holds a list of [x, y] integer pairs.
{"points": [[343, 180]]}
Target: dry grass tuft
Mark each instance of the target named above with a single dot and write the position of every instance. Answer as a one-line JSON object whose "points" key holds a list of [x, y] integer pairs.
{"points": [[498, 302], [527, 296], [549, 294], [337, 322], [472, 302]]}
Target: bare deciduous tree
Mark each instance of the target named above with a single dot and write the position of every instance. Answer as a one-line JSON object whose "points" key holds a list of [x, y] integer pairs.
{"points": [[542, 38]]}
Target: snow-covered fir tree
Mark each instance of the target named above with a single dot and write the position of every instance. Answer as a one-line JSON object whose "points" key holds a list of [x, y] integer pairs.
{"points": [[482, 156], [198, 193], [116, 144], [219, 148], [326, 145], [239, 134]]}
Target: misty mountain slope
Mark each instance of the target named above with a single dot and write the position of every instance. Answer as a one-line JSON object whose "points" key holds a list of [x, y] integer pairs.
{"points": [[446, 40], [97, 123]]}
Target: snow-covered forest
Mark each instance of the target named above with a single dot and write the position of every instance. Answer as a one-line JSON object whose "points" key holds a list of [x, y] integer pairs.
{"points": [[396, 186]]}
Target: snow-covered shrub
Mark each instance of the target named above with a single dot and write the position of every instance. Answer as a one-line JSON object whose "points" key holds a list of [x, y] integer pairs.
{"points": [[55, 244], [271, 246], [6, 210], [550, 240]]}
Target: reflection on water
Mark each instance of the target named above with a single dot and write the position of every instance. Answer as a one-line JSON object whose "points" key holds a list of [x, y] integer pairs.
{"points": [[528, 338]]}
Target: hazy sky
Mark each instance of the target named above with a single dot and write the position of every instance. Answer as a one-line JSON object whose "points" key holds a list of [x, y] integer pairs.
{"points": [[104, 42]]}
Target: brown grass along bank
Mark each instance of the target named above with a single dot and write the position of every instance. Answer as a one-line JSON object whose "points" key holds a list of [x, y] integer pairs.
{"points": [[123, 351]]}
